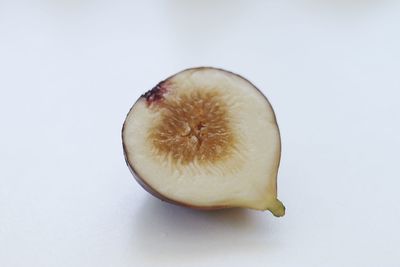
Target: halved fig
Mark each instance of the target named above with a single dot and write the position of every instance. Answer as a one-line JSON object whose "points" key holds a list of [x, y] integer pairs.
{"points": [[205, 138]]}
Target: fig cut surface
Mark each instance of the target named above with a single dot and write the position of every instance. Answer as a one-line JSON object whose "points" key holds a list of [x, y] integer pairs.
{"points": [[205, 138]]}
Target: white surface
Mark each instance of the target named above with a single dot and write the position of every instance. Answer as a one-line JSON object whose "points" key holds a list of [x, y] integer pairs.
{"points": [[70, 70]]}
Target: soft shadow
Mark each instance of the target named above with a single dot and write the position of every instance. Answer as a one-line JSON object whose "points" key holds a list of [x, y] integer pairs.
{"points": [[172, 232], [194, 23], [358, 6]]}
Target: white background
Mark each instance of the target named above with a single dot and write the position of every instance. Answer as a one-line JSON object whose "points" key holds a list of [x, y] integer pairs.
{"points": [[70, 70]]}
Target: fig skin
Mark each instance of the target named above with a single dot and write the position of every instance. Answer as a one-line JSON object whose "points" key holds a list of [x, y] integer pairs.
{"points": [[157, 194]]}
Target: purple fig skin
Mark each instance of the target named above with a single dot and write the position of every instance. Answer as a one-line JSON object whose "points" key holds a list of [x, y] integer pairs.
{"points": [[155, 95]]}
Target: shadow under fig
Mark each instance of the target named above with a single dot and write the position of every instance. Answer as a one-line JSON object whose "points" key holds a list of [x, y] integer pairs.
{"points": [[165, 231]]}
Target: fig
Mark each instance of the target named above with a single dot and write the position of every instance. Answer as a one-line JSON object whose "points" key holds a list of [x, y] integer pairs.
{"points": [[205, 138]]}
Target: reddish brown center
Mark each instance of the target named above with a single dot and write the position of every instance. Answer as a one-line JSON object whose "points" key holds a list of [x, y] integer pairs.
{"points": [[193, 127]]}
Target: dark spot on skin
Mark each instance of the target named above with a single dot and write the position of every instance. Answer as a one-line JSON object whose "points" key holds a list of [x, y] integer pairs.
{"points": [[156, 94]]}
